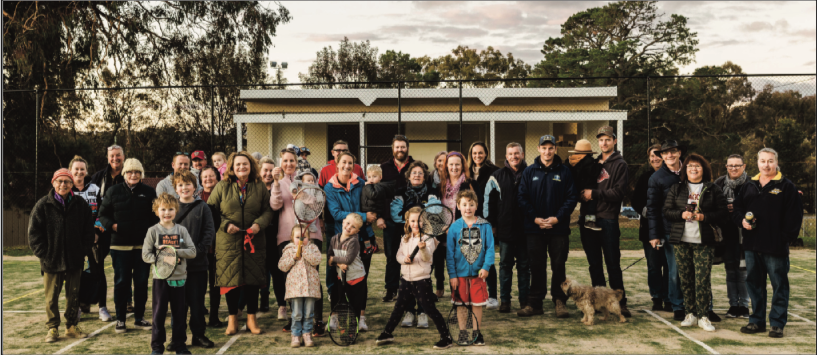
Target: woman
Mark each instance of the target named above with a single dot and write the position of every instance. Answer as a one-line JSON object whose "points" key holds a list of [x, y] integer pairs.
{"points": [[127, 211], [267, 165], [242, 201], [481, 168], [343, 193], [657, 269], [439, 168], [281, 201], [208, 178], [454, 179], [695, 207]]}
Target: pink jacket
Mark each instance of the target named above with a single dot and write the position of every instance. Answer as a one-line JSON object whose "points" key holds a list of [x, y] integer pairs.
{"points": [[302, 280], [281, 199], [420, 269]]}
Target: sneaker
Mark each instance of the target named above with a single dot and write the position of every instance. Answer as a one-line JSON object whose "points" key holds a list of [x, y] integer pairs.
{"points": [[333, 322], [776, 332], [733, 312], [361, 325], [561, 309], [183, 350], [296, 341], [690, 320], [529, 311], [422, 321], [744, 312], [657, 305], [171, 346], [480, 340], [592, 226], [390, 296], [120, 327], [505, 307], [308, 342], [705, 324], [492, 304], [129, 309], [714, 318], [282, 313], [75, 331], [679, 315], [203, 342], [625, 312], [752, 328], [384, 338], [408, 320], [52, 336], [288, 326], [143, 324], [444, 343], [464, 339], [104, 315], [320, 330]]}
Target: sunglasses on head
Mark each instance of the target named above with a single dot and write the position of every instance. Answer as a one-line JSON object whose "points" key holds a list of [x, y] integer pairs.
{"points": [[114, 147], [182, 153]]}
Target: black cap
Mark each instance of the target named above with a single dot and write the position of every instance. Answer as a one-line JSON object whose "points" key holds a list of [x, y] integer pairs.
{"points": [[547, 139]]}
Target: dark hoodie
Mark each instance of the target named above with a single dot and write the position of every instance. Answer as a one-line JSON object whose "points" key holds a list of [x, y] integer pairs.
{"points": [[613, 180], [547, 192], [198, 220]]}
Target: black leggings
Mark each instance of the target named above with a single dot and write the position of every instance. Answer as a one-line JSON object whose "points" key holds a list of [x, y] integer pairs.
{"points": [[357, 295], [250, 295], [438, 264], [215, 291], [424, 294]]}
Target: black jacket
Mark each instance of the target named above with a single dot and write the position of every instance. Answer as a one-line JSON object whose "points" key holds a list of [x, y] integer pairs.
{"points": [[131, 210], [394, 179], [731, 233], [639, 201], [103, 179], [585, 174], [376, 198], [613, 181], [547, 192], [712, 205], [199, 224], [60, 236], [501, 206], [479, 185], [778, 210], [657, 189]]}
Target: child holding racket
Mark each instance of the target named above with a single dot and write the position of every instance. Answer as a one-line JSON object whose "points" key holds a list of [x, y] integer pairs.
{"points": [[344, 253], [167, 234], [469, 240], [416, 280], [300, 260]]}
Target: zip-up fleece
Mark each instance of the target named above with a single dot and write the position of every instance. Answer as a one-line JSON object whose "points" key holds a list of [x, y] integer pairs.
{"points": [[343, 200], [778, 210], [547, 192], [614, 182], [347, 252], [131, 210], [469, 249], [281, 201], [158, 236]]}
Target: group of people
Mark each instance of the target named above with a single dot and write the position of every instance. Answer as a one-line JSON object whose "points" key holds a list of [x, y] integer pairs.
{"points": [[233, 227]]}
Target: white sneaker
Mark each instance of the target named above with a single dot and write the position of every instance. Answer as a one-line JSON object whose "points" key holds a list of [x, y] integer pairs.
{"points": [[361, 325], [408, 320], [689, 321], [104, 315], [492, 304], [705, 324], [333, 322], [422, 321], [282, 313]]}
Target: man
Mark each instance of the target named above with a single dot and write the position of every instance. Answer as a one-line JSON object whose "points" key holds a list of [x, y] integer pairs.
{"points": [[394, 172], [180, 162], [733, 256], [502, 209], [60, 233], [547, 197], [613, 183], [112, 174], [199, 162], [777, 208]]}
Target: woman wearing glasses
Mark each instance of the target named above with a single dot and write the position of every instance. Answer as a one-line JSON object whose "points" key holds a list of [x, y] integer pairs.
{"points": [[733, 256]]}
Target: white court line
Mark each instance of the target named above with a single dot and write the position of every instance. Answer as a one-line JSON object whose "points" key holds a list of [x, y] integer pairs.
{"points": [[801, 318], [680, 331], [113, 323], [229, 344]]}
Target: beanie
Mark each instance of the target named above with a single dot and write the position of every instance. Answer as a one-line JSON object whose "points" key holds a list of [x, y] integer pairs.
{"points": [[133, 164], [62, 172]]}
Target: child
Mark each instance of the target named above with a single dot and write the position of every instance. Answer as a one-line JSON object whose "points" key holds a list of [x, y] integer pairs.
{"points": [[165, 234], [303, 285], [375, 197], [416, 280], [585, 170], [344, 253], [303, 164], [469, 256], [220, 162]]}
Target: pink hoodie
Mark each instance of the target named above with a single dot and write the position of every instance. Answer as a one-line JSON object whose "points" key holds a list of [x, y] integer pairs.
{"points": [[281, 197]]}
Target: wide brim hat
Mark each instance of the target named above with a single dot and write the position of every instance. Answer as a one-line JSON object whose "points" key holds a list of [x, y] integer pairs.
{"points": [[582, 147], [669, 144]]}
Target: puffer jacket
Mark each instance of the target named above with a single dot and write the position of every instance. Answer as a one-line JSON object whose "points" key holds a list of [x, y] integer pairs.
{"points": [[344, 200], [60, 236], [547, 192], [479, 185], [501, 206], [585, 174], [464, 257], [236, 264], [778, 210], [376, 198], [657, 189], [712, 205], [131, 210]]}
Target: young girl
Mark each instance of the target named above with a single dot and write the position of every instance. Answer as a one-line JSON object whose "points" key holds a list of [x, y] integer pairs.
{"points": [[416, 280], [219, 160], [303, 286]]}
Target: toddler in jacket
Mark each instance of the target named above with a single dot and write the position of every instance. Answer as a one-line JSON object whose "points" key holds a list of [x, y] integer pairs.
{"points": [[303, 284], [415, 283], [585, 171]]}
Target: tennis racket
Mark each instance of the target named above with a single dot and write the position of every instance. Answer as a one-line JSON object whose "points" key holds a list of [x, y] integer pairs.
{"points": [[434, 221], [166, 262], [308, 205], [346, 330]]}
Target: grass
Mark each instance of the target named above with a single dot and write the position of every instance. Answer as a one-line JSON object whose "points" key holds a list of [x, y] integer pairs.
{"points": [[505, 333]]}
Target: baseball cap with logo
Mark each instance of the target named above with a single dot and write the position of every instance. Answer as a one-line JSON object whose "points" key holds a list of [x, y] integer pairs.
{"points": [[607, 130], [199, 154], [547, 139]]}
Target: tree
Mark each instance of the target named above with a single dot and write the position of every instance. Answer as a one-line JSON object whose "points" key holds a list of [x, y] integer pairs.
{"points": [[465, 63], [353, 62], [399, 66]]}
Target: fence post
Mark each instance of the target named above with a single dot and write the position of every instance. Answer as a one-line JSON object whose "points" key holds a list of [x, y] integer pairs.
{"points": [[36, 140], [460, 85], [212, 118], [399, 108], [649, 108]]}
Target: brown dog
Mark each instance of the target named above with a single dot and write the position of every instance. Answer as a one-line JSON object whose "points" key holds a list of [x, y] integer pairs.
{"points": [[591, 299]]}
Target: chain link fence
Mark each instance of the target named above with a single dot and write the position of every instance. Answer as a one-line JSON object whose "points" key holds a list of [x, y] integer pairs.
{"points": [[715, 116]]}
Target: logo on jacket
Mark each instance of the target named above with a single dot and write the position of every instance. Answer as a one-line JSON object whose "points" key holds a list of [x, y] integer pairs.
{"points": [[471, 244], [535, 178], [603, 176], [775, 191], [557, 178]]}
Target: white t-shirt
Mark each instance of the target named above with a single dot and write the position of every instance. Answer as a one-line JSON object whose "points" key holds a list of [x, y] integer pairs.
{"points": [[692, 230]]}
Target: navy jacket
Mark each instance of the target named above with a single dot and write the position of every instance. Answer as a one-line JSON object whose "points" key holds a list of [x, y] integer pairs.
{"points": [[657, 189], [547, 192], [778, 210], [501, 206]]}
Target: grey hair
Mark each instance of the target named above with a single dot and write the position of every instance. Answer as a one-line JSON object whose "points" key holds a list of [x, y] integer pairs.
{"points": [[515, 145], [770, 151]]}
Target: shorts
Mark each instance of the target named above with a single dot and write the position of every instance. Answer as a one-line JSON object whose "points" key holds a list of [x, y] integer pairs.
{"points": [[472, 291]]}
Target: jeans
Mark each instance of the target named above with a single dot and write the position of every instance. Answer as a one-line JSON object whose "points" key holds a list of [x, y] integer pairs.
{"points": [[303, 314], [695, 271], [676, 298], [163, 294], [98, 269], [128, 267], [52, 284], [758, 266], [539, 247], [736, 285], [657, 273], [507, 253], [602, 248], [194, 288], [391, 243]]}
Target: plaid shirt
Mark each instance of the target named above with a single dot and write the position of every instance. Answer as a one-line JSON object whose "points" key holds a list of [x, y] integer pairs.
{"points": [[303, 165]]}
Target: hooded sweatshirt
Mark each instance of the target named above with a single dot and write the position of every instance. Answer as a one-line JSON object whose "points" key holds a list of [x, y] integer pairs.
{"points": [[420, 267], [199, 224], [176, 237], [614, 182], [347, 252], [469, 249]]}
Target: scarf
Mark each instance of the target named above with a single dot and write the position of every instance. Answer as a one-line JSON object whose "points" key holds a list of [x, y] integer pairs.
{"points": [[436, 178], [415, 194], [60, 199], [730, 185], [242, 191], [451, 190]]}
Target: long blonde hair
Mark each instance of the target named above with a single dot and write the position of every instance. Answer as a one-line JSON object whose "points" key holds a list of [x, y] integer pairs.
{"points": [[407, 226]]}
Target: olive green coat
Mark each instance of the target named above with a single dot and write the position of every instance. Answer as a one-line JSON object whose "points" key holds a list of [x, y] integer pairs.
{"points": [[236, 266]]}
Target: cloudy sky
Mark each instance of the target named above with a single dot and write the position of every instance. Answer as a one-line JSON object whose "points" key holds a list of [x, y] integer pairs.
{"points": [[762, 37]]}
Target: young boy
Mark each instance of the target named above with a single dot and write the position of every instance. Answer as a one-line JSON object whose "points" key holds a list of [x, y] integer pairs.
{"points": [[375, 196], [303, 164], [169, 234], [469, 256], [195, 216], [585, 171], [344, 253]]}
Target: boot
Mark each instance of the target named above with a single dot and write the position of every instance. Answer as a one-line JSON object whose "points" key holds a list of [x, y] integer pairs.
{"points": [[530, 311], [657, 305], [561, 310], [505, 307], [232, 325], [264, 303], [252, 324]]}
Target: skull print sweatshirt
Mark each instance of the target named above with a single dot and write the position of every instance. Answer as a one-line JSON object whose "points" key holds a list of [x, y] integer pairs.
{"points": [[469, 249]]}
